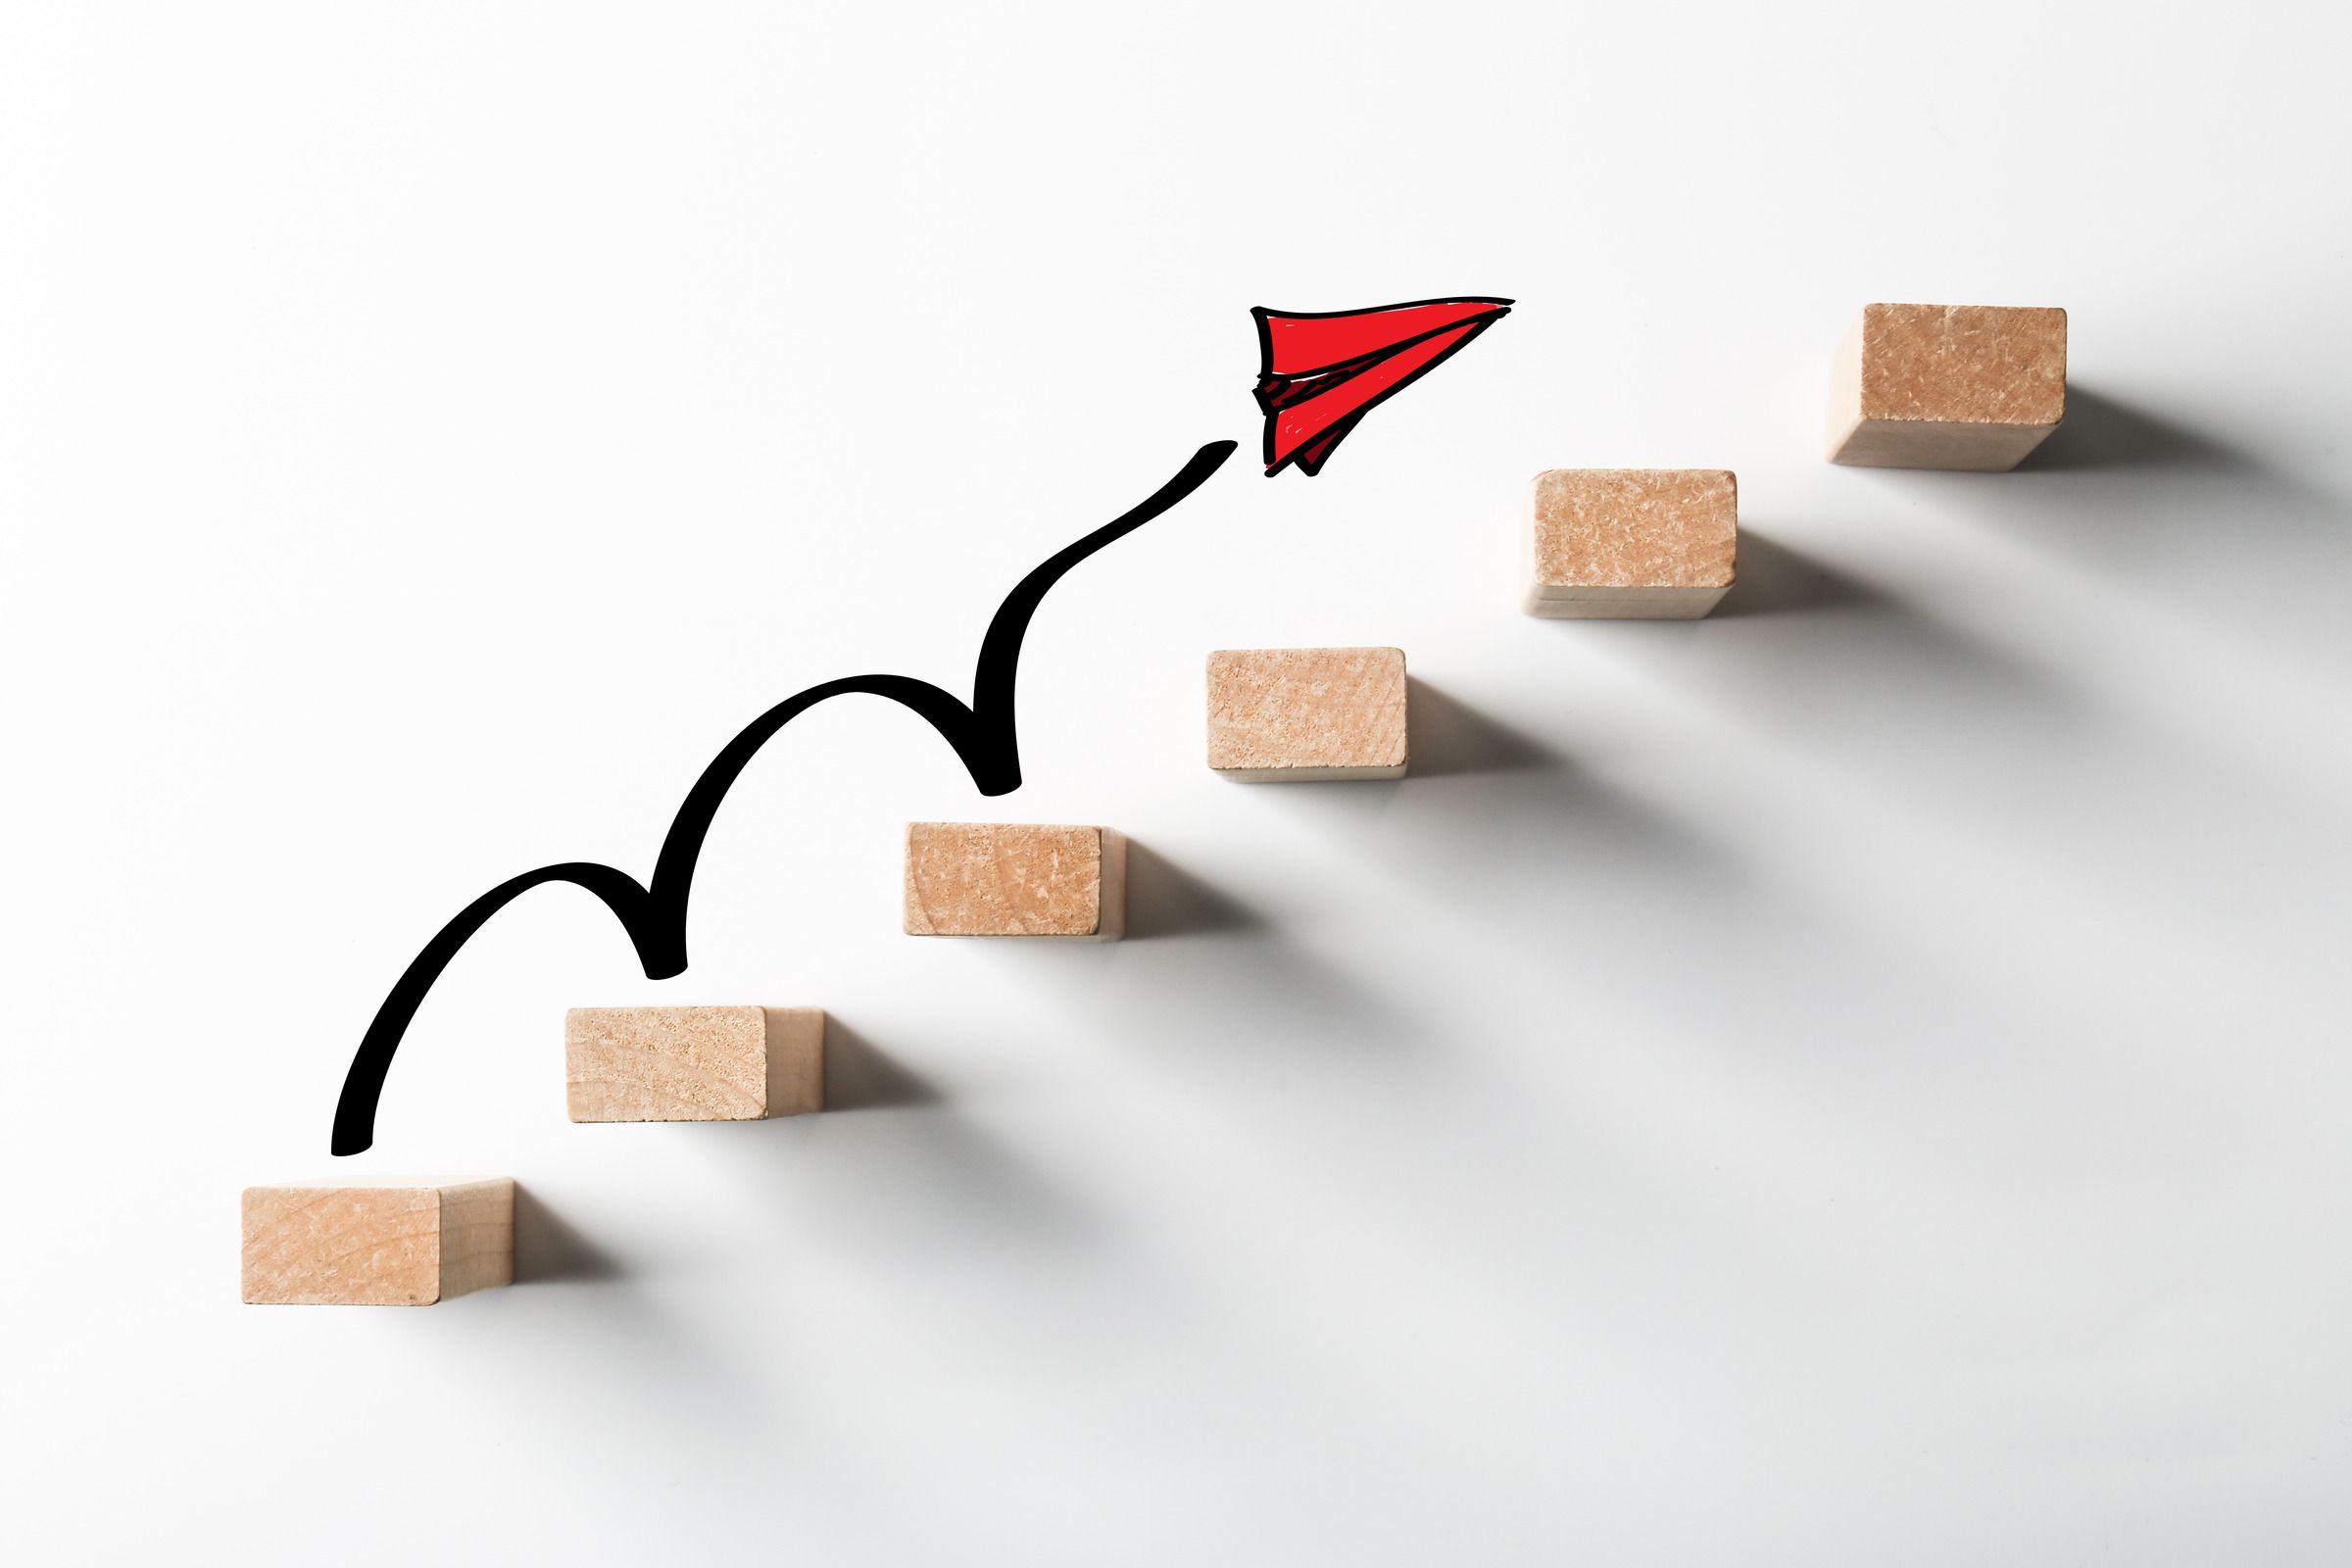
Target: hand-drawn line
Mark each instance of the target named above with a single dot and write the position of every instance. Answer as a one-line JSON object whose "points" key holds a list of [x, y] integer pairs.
{"points": [[983, 735], [1319, 373]]}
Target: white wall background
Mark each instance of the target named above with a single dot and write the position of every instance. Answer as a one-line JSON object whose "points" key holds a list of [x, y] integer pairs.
{"points": [[1857, 1080]]}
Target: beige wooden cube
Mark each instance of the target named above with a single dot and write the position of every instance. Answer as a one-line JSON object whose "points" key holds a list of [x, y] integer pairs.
{"points": [[377, 1243], [693, 1063], [1283, 715], [1016, 879], [1632, 544], [1947, 386]]}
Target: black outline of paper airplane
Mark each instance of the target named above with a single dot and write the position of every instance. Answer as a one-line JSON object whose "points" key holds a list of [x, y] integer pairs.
{"points": [[1276, 393]]}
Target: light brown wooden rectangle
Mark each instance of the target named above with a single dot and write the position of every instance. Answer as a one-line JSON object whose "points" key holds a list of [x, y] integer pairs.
{"points": [[693, 1063], [377, 1243], [1947, 386], [1016, 879], [1632, 544], [1307, 715]]}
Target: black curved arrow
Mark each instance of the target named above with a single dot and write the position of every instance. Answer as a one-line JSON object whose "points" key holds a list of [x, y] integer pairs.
{"points": [[655, 917]]}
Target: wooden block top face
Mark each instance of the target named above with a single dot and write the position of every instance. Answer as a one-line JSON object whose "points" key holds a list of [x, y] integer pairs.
{"points": [[665, 1063], [383, 1244], [1314, 711], [1007, 879], [1963, 363], [1635, 528]]}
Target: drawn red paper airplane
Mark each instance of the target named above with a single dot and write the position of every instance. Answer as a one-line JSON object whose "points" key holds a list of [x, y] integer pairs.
{"points": [[1320, 372]]}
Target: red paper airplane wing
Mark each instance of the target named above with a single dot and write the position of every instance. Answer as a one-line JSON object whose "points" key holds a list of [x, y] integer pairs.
{"points": [[1308, 345], [1307, 430], [1320, 374]]}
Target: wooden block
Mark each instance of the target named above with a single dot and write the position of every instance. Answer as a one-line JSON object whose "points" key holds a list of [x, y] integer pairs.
{"points": [[377, 1243], [693, 1063], [1279, 715], [1947, 386], [1632, 544], [1012, 879]]}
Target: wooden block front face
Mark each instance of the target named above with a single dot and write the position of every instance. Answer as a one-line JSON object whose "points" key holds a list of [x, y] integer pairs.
{"points": [[1279, 715], [693, 1063], [1633, 543], [987, 879], [1947, 386], [377, 1244]]}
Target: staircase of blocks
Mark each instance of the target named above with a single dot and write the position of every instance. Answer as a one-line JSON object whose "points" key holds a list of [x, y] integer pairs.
{"points": [[1917, 386]]}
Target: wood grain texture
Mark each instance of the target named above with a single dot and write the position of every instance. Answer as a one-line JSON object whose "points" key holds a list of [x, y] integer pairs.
{"points": [[693, 1063], [796, 1061], [1012, 879], [1302, 715], [377, 1243], [1947, 386], [1647, 544], [477, 1236]]}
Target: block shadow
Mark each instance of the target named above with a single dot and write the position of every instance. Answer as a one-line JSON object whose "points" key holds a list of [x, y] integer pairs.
{"points": [[907, 1191], [1892, 692], [550, 1252], [1447, 738], [2150, 504], [1238, 977], [900, 1190], [1489, 804], [2182, 506], [1164, 900], [2102, 432], [861, 1076], [1809, 650], [651, 1363], [1777, 580], [1535, 812]]}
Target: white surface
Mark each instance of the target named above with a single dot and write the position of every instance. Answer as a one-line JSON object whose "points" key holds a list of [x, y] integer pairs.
{"points": [[1856, 1080]]}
